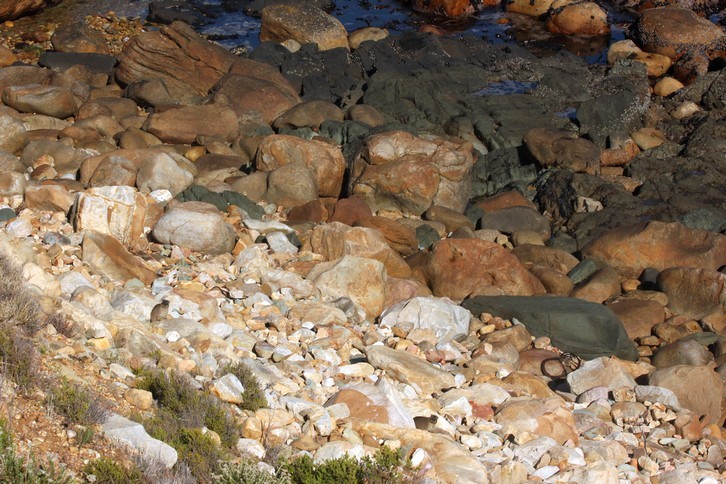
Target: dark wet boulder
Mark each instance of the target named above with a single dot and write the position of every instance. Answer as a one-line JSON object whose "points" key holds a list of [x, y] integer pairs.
{"points": [[586, 329], [221, 200]]}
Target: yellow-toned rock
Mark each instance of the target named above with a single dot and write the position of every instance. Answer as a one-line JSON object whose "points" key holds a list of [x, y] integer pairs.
{"points": [[667, 86]]}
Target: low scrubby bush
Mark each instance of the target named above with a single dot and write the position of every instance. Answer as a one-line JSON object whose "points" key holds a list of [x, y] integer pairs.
{"points": [[253, 398], [247, 472], [386, 466], [183, 411], [76, 403], [107, 471]]}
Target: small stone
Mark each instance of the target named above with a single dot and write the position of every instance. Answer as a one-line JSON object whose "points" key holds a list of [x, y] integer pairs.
{"points": [[667, 86], [141, 399]]}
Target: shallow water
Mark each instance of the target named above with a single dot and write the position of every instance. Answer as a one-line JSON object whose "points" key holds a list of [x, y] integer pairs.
{"points": [[237, 31]]}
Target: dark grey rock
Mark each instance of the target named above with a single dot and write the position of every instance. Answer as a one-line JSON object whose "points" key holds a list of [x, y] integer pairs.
{"points": [[7, 214], [582, 271], [501, 170], [60, 61], [586, 329], [221, 200], [426, 236]]}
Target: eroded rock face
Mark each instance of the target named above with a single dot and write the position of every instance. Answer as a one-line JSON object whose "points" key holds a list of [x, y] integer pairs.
{"points": [[324, 159], [458, 268], [399, 171], [196, 225], [12, 9], [658, 245], [190, 66], [675, 32], [304, 23]]}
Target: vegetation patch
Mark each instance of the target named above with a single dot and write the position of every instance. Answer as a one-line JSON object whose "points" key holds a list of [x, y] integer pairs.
{"points": [[107, 471], [253, 397], [247, 472], [76, 403], [183, 411], [386, 466]]}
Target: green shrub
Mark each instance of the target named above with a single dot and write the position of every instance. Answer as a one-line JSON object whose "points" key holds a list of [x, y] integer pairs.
{"points": [[19, 359], [200, 452], [183, 411], [76, 403], [17, 305], [18, 470], [107, 471], [253, 397], [246, 472], [386, 466], [192, 408]]}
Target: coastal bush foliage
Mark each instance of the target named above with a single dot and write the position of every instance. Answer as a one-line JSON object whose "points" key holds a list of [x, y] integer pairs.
{"points": [[253, 397], [107, 471], [183, 412], [386, 466], [76, 403]]}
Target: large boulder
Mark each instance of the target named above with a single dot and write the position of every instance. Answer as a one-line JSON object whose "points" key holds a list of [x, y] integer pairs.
{"points": [[106, 255], [586, 329], [190, 66], [55, 101], [336, 240], [698, 388], [442, 317], [529, 419], [183, 124], [197, 226], [694, 292], [113, 210], [577, 17], [459, 268], [13, 135], [323, 158], [359, 279], [674, 31], [400, 171], [659, 245], [303, 23], [412, 370], [248, 95]]}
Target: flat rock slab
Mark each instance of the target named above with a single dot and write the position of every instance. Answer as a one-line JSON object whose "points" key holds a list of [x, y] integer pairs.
{"points": [[407, 368], [586, 329], [108, 256], [123, 430], [659, 245]]}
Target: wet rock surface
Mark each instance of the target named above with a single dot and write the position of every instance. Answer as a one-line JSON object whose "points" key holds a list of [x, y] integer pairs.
{"points": [[510, 266]]}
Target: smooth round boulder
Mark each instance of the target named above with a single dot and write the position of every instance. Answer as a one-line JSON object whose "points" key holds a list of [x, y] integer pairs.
{"points": [[304, 23], [573, 17], [674, 31], [13, 135], [197, 226], [291, 185], [55, 101]]}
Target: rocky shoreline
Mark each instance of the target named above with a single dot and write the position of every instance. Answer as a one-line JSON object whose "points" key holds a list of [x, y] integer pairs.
{"points": [[511, 267]]}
